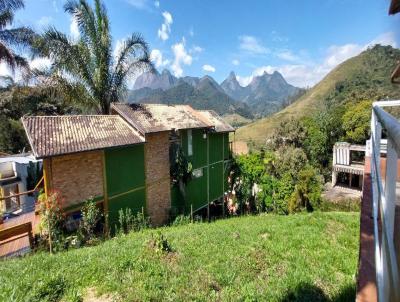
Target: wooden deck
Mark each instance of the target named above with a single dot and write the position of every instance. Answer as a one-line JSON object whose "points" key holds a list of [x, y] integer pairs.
{"points": [[17, 245]]}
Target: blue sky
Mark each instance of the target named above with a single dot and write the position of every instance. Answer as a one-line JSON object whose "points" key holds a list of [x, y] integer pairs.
{"points": [[302, 39]]}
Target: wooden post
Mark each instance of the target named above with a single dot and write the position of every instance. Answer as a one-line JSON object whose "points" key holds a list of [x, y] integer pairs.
{"points": [[50, 243], [191, 213], [350, 178], [223, 206], [208, 212]]}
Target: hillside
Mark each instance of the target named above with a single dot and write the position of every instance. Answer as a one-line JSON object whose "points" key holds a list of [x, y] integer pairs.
{"points": [[366, 76], [304, 257]]}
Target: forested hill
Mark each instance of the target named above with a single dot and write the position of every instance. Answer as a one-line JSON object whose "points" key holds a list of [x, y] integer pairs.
{"points": [[364, 77]]}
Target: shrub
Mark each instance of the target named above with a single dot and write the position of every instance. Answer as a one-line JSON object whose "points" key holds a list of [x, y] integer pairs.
{"points": [[51, 219], [307, 192], [159, 243], [130, 222], [91, 216], [181, 220]]}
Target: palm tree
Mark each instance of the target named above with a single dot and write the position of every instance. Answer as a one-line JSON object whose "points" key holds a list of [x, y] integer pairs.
{"points": [[21, 37], [86, 68]]}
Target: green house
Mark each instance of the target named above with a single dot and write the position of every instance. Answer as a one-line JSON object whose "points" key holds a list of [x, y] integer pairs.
{"points": [[204, 139]]}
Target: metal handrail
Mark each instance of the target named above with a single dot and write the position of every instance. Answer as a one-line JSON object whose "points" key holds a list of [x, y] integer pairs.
{"points": [[384, 200]]}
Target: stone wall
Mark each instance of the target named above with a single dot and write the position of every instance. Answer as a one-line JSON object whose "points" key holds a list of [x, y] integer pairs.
{"points": [[158, 192], [76, 176]]}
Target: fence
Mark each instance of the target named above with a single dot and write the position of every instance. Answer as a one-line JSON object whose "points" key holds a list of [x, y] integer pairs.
{"points": [[384, 199]]}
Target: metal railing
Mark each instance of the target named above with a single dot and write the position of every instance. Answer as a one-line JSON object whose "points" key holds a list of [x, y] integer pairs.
{"points": [[384, 200]]}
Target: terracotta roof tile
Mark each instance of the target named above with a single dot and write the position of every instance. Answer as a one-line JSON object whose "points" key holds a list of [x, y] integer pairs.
{"points": [[148, 118], [214, 119], [57, 135]]}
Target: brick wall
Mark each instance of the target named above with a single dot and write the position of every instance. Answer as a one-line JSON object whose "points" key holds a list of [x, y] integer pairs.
{"points": [[77, 176], [158, 194]]}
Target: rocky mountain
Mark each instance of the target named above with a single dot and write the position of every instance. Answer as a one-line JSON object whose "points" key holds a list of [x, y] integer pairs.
{"points": [[205, 95], [232, 87], [265, 95], [155, 80]]}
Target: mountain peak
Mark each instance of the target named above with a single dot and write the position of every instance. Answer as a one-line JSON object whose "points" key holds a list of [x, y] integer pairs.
{"points": [[232, 75]]}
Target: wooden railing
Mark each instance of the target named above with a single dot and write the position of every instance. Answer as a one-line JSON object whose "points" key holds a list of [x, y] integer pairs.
{"points": [[23, 193], [17, 230], [384, 200]]}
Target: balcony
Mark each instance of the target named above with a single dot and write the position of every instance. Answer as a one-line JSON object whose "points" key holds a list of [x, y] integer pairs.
{"points": [[378, 274]]}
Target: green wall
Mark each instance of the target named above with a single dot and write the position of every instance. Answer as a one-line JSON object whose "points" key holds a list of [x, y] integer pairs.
{"points": [[125, 178], [196, 189], [199, 157]]}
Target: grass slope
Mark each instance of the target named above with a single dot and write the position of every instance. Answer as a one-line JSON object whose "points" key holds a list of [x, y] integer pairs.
{"points": [[368, 75], [303, 257]]}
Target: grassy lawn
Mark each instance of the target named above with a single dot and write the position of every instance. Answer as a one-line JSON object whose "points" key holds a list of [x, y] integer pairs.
{"points": [[303, 257]]}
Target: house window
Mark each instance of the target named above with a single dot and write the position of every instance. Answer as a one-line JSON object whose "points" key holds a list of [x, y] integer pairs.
{"points": [[190, 142]]}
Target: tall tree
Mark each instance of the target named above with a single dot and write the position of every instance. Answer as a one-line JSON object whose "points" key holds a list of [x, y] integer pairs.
{"points": [[13, 38], [87, 68]]}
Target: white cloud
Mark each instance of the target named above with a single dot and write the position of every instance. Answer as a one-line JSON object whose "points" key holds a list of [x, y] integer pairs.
{"points": [[252, 45], [309, 73], [157, 57], [235, 62], [165, 30], [196, 48], [55, 7], [44, 21], [287, 55], [181, 58], [208, 68], [139, 4], [277, 37], [74, 29], [384, 39], [157, 4]]}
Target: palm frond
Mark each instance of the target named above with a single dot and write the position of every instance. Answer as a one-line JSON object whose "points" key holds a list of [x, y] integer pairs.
{"points": [[134, 54], [7, 56], [18, 37], [6, 18], [66, 55], [11, 5]]}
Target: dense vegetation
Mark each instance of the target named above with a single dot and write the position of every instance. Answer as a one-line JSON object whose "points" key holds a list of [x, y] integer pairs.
{"points": [[303, 257]]}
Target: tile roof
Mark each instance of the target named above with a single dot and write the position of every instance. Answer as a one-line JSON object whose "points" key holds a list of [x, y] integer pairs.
{"points": [[148, 118], [57, 135], [219, 124]]}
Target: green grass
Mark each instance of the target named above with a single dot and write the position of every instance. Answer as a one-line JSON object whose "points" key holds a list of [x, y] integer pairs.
{"points": [[302, 257]]}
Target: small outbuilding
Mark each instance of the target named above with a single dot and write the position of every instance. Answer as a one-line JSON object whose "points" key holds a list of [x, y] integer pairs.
{"points": [[92, 156]]}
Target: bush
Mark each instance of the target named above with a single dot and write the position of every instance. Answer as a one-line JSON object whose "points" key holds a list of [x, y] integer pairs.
{"points": [[129, 222], [91, 216], [181, 220], [307, 192], [51, 220], [159, 243]]}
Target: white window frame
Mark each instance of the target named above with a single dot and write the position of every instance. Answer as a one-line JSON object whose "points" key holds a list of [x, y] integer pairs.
{"points": [[190, 142]]}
